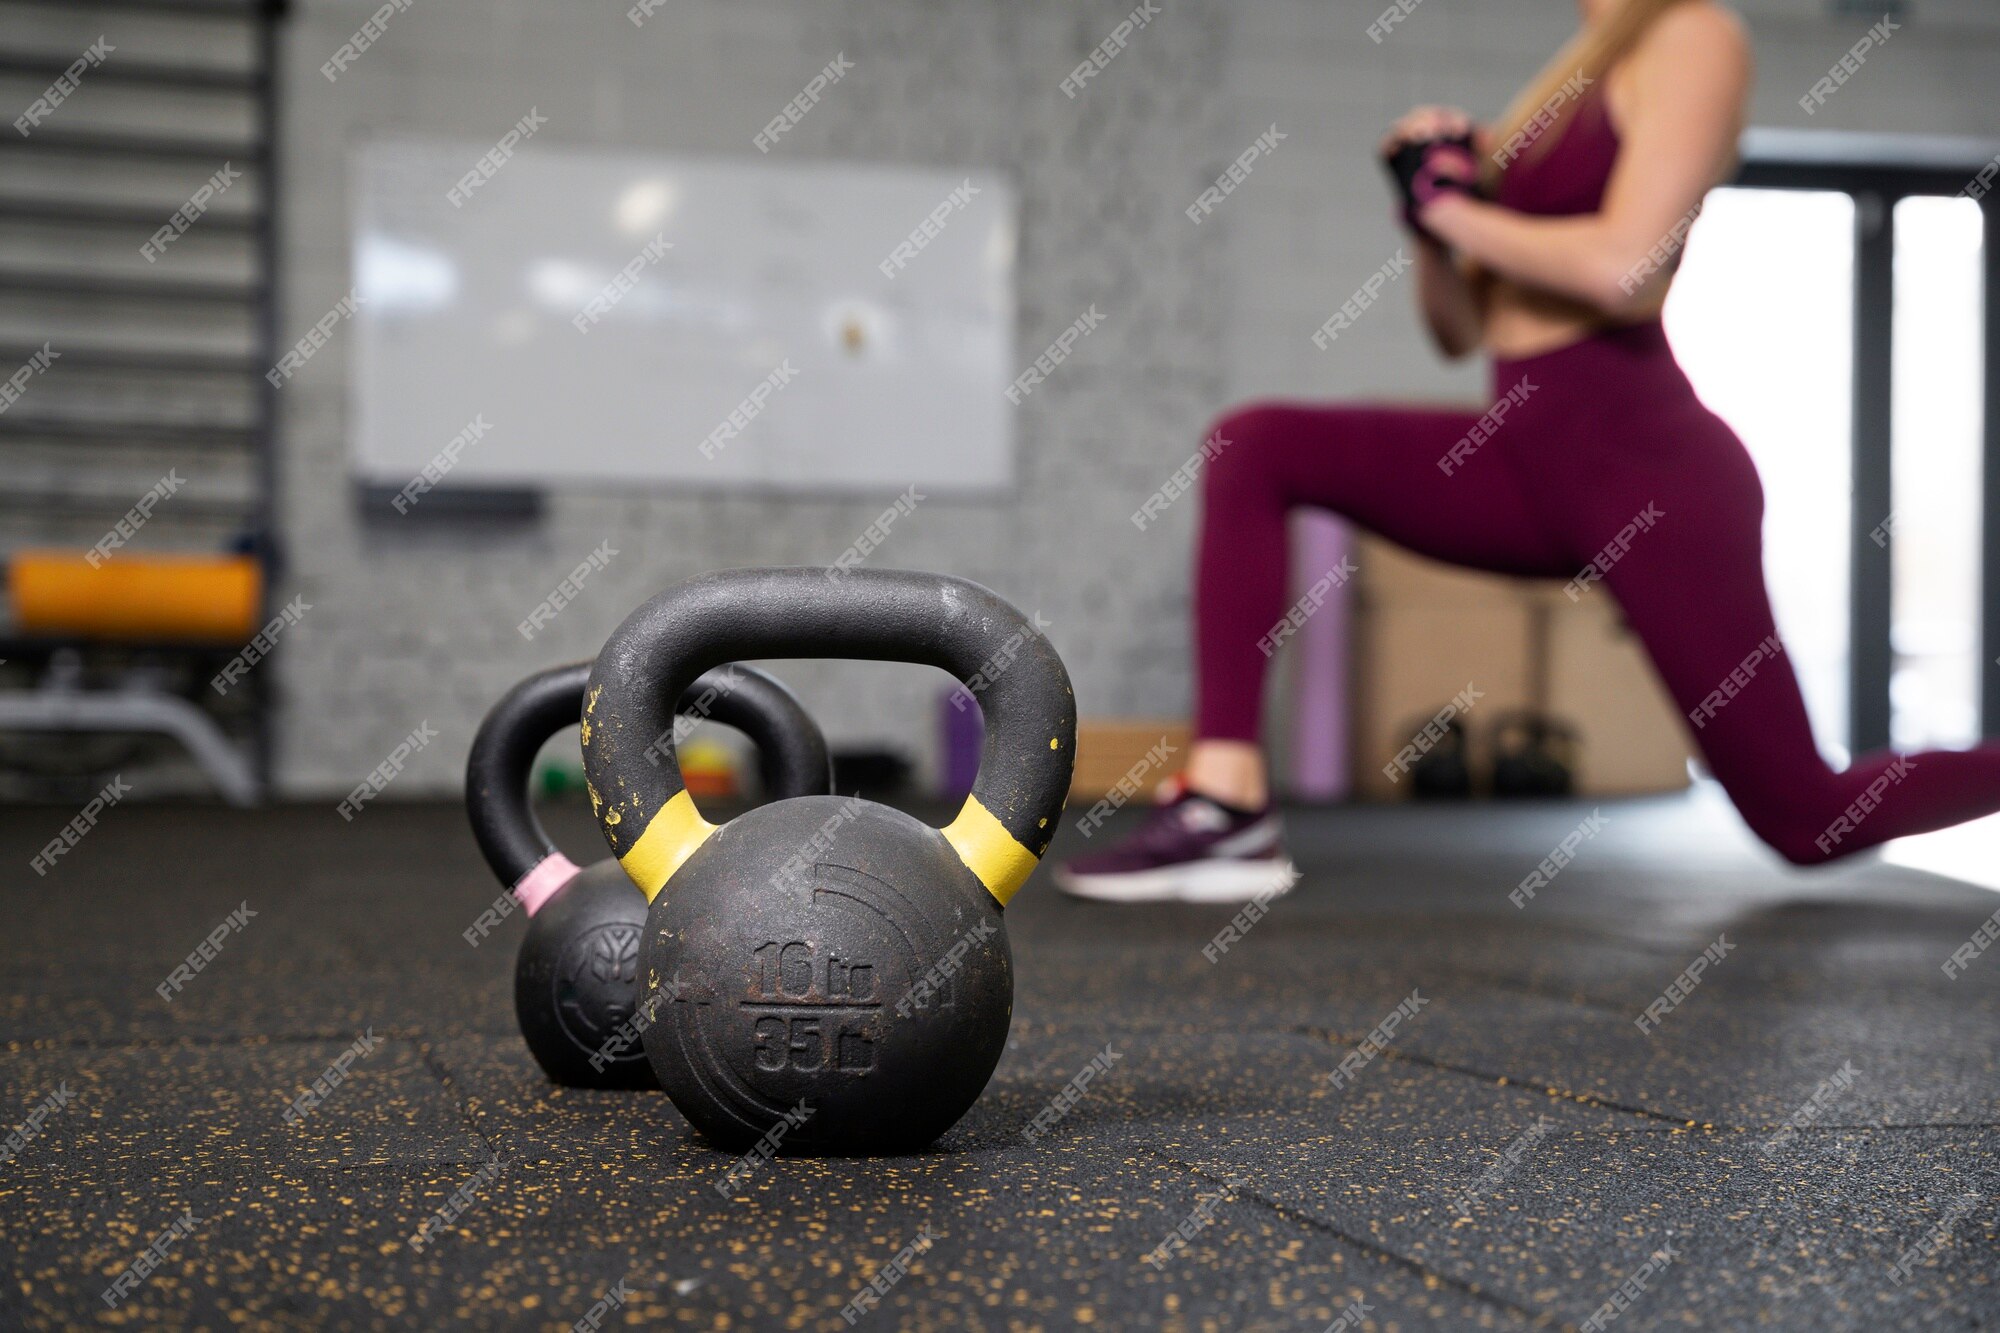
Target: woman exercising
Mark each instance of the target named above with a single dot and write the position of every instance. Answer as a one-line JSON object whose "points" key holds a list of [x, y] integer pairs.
{"points": [[1550, 241]]}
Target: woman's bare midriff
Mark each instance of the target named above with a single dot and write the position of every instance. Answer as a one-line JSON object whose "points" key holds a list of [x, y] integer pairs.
{"points": [[1528, 321]]}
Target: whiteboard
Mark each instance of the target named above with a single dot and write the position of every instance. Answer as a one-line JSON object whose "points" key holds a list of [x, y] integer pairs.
{"points": [[882, 368]]}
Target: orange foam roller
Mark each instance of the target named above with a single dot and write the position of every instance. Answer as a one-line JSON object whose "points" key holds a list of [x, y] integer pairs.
{"points": [[135, 596]]}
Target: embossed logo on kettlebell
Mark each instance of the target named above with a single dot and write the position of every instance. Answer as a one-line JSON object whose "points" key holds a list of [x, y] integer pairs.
{"points": [[596, 985]]}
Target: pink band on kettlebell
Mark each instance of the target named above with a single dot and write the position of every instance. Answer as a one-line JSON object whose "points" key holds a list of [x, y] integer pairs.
{"points": [[540, 884]]}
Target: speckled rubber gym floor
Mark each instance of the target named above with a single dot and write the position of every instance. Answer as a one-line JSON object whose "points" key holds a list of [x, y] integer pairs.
{"points": [[1805, 1139]]}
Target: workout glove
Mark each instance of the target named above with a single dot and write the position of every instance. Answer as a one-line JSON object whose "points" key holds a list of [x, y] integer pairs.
{"points": [[1424, 171]]}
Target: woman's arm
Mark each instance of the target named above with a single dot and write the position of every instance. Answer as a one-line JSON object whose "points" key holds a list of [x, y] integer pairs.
{"points": [[1690, 78], [1451, 305], [1446, 296]]}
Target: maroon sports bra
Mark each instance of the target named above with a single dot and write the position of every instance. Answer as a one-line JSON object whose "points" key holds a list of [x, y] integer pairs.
{"points": [[1568, 176]]}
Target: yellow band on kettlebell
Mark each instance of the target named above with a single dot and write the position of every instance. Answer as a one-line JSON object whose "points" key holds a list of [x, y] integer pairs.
{"points": [[669, 840], [989, 850]]}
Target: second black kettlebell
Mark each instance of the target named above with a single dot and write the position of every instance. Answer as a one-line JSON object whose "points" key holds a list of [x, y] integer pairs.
{"points": [[576, 979]]}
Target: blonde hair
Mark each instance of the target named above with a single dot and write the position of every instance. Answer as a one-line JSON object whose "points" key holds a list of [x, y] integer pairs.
{"points": [[1592, 52]]}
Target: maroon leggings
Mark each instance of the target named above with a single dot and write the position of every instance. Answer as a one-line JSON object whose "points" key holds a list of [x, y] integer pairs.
{"points": [[1607, 472]]}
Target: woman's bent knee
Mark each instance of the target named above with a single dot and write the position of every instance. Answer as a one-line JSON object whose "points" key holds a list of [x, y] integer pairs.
{"points": [[1242, 447], [1798, 833]]}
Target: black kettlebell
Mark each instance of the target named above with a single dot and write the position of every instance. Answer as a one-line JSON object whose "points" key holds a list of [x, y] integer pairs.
{"points": [[1533, 756], [1444, 772], [828, 965], [576, 980]]}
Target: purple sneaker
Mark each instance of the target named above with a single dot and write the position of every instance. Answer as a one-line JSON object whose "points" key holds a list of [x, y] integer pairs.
{"points": [[1189, 850]]}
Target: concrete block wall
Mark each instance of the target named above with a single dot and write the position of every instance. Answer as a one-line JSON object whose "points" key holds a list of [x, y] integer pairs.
{"points": [[416, 622]]}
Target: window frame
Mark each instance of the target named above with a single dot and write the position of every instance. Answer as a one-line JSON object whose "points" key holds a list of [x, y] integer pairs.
{"points": [[1879, 171]]}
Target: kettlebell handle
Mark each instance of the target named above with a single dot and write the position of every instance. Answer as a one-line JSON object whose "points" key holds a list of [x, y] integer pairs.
{"points": [[870, 614], [791, 759]]}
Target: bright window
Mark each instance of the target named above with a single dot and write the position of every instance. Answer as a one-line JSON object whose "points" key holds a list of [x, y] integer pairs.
{"points": [[1762, 317], [1935, 532]]}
